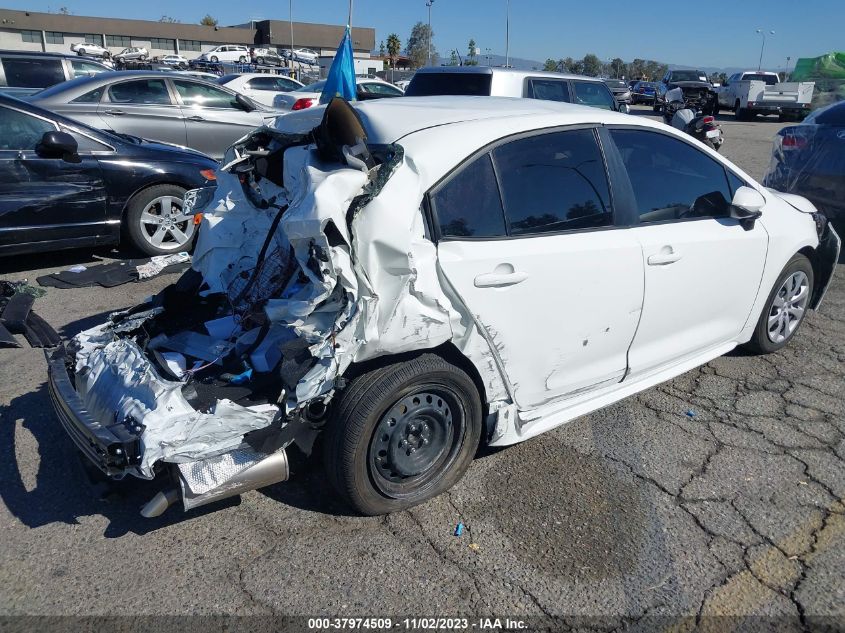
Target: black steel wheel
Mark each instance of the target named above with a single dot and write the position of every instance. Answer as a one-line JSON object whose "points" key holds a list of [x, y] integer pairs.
{"points": [[402, 434]]}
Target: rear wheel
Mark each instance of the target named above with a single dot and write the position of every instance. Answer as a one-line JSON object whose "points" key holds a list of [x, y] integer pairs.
{"points": [[786, 307], [143, 58], [402, 434], [259, 61], [155, 222], [214, 59], [242, 60]]}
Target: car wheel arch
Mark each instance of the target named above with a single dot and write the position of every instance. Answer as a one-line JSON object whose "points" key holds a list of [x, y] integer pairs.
{"points": [[819, 275], [147, 185], [448, 351]]}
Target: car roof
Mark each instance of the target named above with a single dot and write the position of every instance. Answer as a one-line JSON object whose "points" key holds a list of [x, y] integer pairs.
{"points": [[9, 53], [80, 85], [491, 70], [388, 120]]}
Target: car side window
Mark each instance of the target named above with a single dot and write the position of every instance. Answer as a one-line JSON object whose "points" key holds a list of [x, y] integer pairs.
{"points": [[285, 85], [204, 96], [144, 91], [94, 96], [20, 131], [262, 83], [593, 94], [548, 90], [32, 73], [381, 89], [735, 182], [85, 69], [671, 179], [468, 204], [553, 182]]}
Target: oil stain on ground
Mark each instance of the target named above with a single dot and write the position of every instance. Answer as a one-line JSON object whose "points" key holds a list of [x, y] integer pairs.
{"points": [[587, 521]]}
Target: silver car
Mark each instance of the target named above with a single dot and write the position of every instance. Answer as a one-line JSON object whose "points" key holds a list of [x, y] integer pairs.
{"points": [[159, 106]]}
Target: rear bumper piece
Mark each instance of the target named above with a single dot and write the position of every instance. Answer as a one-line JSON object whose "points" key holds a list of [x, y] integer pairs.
{"points": [[113, 449], [828, 255]]}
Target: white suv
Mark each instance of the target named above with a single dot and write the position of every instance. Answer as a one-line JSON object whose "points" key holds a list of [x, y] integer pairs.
{"points": [[226, 53]]}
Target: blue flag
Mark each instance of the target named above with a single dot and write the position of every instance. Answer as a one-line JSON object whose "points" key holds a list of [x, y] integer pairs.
{"points": [[341, 79]]}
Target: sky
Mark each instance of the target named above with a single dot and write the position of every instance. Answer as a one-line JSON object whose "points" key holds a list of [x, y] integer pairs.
{"points": [[713, 34]]}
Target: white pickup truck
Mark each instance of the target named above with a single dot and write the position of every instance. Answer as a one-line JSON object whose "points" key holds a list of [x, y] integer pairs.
{"points": [[759, 92]]}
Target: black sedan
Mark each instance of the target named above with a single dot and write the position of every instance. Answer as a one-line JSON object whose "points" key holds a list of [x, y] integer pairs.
{"points": [[809, 160], [66, 185]]}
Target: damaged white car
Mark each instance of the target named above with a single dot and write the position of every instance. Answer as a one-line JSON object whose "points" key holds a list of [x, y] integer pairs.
{"points": [[410, 278]]}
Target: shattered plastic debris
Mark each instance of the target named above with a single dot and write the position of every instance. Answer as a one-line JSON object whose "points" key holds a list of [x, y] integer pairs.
{"points": [[157, 264], [459, 529], [690, 413]]}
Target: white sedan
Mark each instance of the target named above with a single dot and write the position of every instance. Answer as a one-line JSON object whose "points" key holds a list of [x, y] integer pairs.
{"points": [[309, 96], [424, 275], [261, 87], [175, 60], [90, 50]]}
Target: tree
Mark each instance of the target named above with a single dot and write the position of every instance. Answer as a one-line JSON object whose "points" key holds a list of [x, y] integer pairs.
{"points": [[64, 11], [472, 54], [569, 65], [591, 65], [453, 59], [394, 46], [418, 45], [168, 19], [550, 66], [381, 49], [617, 67], [636, 69], [208, 20]]}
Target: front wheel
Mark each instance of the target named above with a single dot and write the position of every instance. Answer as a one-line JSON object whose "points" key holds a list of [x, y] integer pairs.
{"points": [[155, 222], [242, 60], [214, 59], [786, 307], [259, 61], [142, 58], [402, 434]]}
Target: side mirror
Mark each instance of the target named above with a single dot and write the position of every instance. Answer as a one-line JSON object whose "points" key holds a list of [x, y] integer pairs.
{"points": [[747, 206], [58, 145], [244, 103]]}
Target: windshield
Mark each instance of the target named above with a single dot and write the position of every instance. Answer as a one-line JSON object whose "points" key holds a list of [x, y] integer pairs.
{"points": [[616, 83], [469, 84], [770, 80], [688, 75]]}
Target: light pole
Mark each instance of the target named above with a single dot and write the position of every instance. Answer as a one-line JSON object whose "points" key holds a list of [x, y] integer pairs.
{"points": [[488, 51], [290, 8], [786, 74], [762, 46], [508, 34], [428, 4]]}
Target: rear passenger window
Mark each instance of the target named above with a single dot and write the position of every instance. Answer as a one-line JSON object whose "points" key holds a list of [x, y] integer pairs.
{"points": [[468, 205], [90, 97], [146, 91], [593, 94], [548, 90], [32, 73], [671, 179], [554, 182]]}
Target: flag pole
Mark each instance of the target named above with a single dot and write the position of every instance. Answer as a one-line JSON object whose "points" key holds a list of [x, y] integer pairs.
{"points": [[349, 21]]}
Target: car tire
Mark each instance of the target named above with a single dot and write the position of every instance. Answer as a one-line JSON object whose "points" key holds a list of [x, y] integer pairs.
{"points": [[401, 434], [143, 229], [778, 323], [259, 61], [242, 60], [142, 58], [214, 59]]}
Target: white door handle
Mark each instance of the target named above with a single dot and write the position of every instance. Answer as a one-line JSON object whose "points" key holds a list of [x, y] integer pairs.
{"points": [[663, 258], [497, 280]]}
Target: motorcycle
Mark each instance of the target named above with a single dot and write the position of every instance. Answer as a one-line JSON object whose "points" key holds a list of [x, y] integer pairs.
{"points": [[687, 115]]}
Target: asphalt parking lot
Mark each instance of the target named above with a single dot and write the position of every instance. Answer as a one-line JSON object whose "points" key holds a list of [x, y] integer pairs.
{"points": [[719, 493]]}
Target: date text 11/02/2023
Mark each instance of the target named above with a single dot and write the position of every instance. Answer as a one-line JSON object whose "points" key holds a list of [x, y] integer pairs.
{"points": [[417, 624]]}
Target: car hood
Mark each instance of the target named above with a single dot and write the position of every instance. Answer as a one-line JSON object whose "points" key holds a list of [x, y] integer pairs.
{"points": [[692, 84], [165, 151], [800, 203]]}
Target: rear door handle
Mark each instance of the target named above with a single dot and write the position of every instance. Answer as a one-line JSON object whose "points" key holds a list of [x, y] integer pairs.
{"points": [[115, 112], [498, 280], [666, 256], [195, 118]]}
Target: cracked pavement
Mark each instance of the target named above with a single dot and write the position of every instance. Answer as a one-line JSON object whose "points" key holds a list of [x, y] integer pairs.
{"points": [[718, 494]]}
